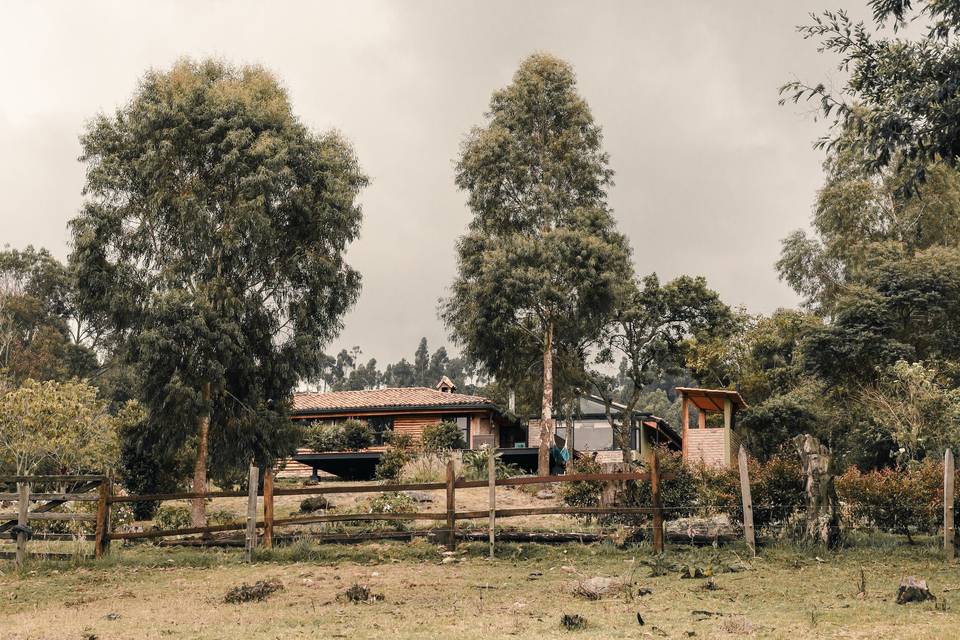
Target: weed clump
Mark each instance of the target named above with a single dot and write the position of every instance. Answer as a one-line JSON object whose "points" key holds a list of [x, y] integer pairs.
{"points": [[256, 592], [359, 594], [573, 622]]}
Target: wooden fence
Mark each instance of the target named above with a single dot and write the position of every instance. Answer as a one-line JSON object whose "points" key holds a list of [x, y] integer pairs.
{"points": [[448, 517], [58, 491]]}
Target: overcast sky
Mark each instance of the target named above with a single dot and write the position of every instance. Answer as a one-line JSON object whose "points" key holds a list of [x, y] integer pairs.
{"points": [[710, 172]]}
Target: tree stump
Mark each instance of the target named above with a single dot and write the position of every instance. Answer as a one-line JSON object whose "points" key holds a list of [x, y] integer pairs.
{"points": [[822, 522], [913, 590]]}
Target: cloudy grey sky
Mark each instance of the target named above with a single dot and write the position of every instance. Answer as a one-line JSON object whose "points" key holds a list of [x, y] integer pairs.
{"points": [[710, 171]]}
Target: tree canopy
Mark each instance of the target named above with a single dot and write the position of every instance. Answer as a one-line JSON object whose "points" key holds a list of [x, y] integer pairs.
{"points": [[539, 266], [900, 102], [212, 242]]}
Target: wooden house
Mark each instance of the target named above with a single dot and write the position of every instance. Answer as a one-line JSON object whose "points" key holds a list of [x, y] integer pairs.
{"points": [[398, 410], [712, 444], [588, 429]]}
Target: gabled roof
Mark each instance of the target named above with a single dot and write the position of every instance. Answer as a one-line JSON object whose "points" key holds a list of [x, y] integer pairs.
{"points": [[712, 399], [391, 398]]}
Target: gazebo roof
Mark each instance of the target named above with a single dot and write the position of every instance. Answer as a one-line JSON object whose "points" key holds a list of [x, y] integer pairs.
{"points": [[711, 400]]}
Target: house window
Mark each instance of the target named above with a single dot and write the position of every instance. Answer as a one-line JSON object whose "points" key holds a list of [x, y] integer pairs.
{"points": [[463, 422], [381, 426]]}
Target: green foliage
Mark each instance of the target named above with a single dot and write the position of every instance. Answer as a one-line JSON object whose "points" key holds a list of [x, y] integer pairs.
{"points": [[356, 435], [904, 500], [678, 496], [651, 326], [169, 517], [899, 103], [323, 436], [442, 436], [476, 462], [915, 409], [906, 310], [427, 466], [213, 153], [388, 502], [59, 427], [42, 335], [538, 270], [583, 493], [349, 435], [398, 453]]}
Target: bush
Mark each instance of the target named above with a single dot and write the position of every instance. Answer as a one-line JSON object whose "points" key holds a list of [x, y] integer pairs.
{"points": [[395, 457], [583, 493], [475, 465], [442, 436], [357, 435], [314, 503], [389, 502], [895, 500], [171, 518], [350, 435], [678, 496], [429, 467]]}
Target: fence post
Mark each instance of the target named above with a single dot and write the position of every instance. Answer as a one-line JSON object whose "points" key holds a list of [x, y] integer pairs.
{"points": [[268, 508], [748, 532], [103, 519], [949, 526], [451, 508], [492, 479], [657, 506], [23, 505], [252, 511]]}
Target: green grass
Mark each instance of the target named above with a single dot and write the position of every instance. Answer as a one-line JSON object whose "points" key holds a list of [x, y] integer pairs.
{"points": [[789, 591]]}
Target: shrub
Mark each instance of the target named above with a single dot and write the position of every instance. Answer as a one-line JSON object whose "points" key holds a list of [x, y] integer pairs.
{"points": [[895, 500], [349, 435], [357, 435], [321, 436], [442, 436], [389, 502], [429, 467], [314, 503], [394, 458], [583, 493], [475, 465], [171, 518], [678, 496]]}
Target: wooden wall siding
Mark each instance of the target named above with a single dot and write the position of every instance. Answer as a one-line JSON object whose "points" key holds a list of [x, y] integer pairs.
{"points": [[706, 445]]}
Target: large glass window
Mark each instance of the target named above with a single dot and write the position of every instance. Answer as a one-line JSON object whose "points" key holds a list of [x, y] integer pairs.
{"points": [[380, 426], [463, 422]]}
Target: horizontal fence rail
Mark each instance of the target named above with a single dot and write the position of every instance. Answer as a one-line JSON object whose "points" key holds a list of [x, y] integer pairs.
{"points": [[99, 489]]}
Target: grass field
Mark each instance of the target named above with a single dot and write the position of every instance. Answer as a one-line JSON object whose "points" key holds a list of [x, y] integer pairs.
{"points": [[149, 592]]}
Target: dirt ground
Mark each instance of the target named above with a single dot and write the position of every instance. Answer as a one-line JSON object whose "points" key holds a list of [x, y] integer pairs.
{"points": [[148, 592]]}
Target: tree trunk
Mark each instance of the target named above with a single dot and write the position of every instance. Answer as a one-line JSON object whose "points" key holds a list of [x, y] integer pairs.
{"points": [[546, 408], [823, 511], [626, 422], [198, 506]]}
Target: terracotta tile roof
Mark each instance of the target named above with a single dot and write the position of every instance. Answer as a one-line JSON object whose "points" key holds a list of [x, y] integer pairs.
{"points": [[412, 397]]}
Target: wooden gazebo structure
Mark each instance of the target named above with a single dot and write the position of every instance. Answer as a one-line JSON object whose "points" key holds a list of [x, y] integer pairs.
{"points": [[714, 446]]}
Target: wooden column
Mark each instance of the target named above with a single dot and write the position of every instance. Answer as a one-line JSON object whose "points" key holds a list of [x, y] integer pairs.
{"points": [[727, 431], [949, 526], [268, 508], [451, 507], [684, 424], [747, 502], [101, 537], [23, 506], [492, 481], [252, 480], [657, 506]]}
